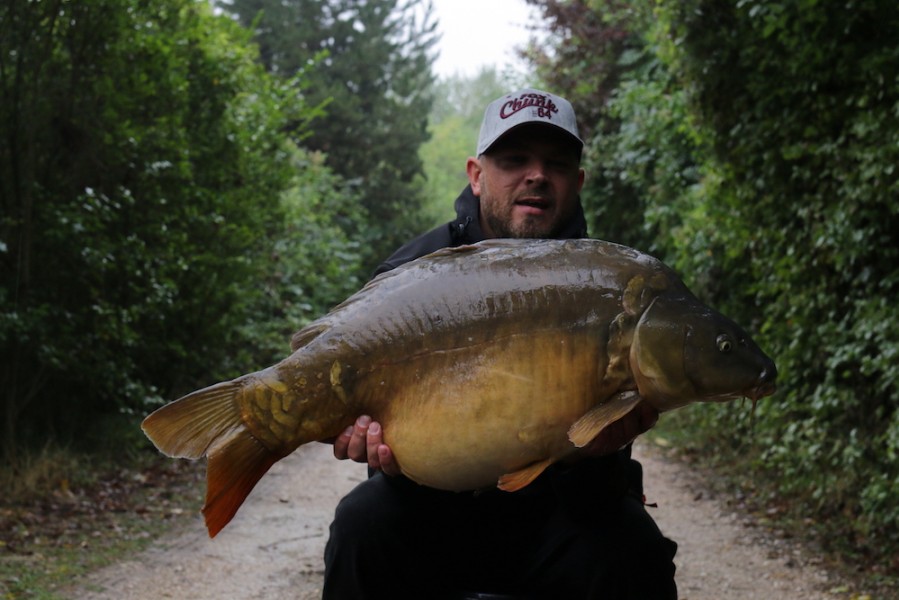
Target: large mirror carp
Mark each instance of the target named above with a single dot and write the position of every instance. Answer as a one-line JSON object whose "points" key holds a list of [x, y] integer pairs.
{"points": [[484, 364]]}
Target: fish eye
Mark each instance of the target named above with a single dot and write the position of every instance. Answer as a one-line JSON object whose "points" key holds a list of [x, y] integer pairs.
{"points": [[725, 344]]}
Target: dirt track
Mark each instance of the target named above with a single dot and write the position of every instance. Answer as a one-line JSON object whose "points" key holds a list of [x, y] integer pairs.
{"points": [[273, 547]]}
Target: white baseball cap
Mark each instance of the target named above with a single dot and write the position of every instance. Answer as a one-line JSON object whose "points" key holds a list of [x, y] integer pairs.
{"points": [[522, 107]]}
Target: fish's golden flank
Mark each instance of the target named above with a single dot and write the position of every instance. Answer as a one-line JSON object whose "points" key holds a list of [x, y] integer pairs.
{"points": [[485, 364]]}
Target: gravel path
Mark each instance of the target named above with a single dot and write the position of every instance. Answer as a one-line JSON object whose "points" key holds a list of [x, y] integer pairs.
{"points": [[273, 547]]}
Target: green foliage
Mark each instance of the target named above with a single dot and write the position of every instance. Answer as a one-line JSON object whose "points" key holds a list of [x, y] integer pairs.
{"points": [[314, 260], [799, 107], [141, 181], [756, 145], [372, 71], [627, 111], [121, 211], [644, 171], [454, 125]]}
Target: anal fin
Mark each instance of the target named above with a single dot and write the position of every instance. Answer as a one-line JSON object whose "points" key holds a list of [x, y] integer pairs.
{"points": [[234, 467], [599, 417], [512, 482]]}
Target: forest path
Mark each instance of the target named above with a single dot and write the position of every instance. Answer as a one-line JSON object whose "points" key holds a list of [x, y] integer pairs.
{"points": [[273, 547]]}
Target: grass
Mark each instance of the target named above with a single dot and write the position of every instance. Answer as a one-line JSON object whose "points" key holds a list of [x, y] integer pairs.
{"points": [[68, 513]]}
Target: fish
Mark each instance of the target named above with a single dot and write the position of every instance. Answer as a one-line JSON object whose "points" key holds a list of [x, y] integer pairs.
{"points": [[484, 364]]}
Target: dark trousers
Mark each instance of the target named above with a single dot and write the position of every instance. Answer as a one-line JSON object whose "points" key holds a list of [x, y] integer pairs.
{"points": [[393, 539]]}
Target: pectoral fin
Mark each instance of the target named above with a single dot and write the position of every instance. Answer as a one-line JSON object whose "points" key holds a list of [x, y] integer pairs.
{"points": [[598, 418], [512, 482]]}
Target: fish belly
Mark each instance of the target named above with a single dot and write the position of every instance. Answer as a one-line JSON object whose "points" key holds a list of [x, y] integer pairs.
{"points": [[461, 418]]}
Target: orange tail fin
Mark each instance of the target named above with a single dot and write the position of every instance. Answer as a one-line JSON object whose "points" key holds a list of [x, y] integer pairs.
{"points": [[208, 423], [234, 468]]}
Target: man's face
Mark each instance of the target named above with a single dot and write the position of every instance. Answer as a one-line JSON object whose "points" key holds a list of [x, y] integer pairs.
{"points": [[528, 183]]}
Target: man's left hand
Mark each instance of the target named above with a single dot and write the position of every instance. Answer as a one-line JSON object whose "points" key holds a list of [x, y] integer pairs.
{"points": [[363, 442]]}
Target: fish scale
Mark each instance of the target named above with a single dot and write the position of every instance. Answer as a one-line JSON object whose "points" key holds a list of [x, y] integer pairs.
{"points": [[484, 365]]}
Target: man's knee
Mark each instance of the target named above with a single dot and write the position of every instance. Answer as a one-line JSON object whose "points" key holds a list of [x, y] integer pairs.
{"points": [[355, 555], [643, 564], [620, 553]]}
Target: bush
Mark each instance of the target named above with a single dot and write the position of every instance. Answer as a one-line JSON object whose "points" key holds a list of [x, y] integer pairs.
{"points": [[143, 201]]}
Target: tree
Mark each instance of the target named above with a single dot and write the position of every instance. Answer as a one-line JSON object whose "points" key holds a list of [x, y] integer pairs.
{"points": [[372, 71], [454, 124], [596, 54], [315, 253], [141, 172]]}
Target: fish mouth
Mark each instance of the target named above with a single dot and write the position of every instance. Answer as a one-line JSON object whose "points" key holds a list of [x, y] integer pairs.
{"points": [[765, 384], [756, 393], [766, 388]]}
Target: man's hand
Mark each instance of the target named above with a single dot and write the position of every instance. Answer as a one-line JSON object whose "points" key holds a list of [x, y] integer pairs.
{"points": [[623, 431], [363, 443]]}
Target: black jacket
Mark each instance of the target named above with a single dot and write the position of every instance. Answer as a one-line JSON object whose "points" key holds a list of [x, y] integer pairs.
{"points": [[464, 229]]}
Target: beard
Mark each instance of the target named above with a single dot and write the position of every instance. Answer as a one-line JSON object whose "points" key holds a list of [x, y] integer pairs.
{"points": [[530, 227], [497, 213]]}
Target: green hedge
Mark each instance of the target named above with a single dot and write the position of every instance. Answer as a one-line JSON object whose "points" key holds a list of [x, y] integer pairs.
{"points": [[754, 145]]}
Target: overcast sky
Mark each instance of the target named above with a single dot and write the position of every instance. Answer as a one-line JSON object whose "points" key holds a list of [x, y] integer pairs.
{"points": [[480, 32]]}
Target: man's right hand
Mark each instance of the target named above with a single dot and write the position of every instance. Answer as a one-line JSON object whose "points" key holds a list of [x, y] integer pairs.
{"points": [[363, 442]]}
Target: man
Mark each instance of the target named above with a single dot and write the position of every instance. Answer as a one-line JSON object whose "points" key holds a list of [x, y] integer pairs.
{"points": [[580, 530]]}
